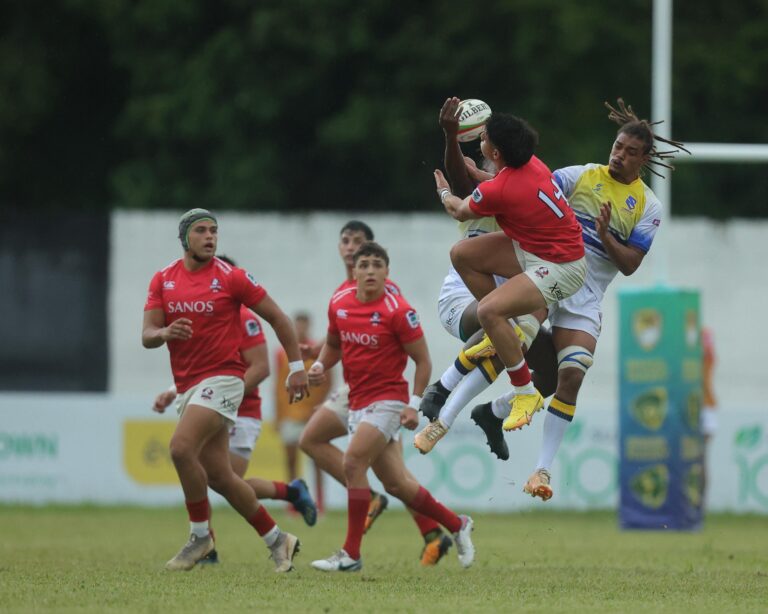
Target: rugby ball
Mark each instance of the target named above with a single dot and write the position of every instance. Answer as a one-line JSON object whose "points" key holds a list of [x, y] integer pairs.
{"points": [[473, 114]]}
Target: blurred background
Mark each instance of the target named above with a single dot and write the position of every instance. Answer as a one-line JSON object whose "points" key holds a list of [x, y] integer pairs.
{"points": [[288, 119]]}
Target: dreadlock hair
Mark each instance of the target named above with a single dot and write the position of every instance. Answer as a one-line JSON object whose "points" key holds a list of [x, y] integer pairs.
{"points": [[642, 129]]}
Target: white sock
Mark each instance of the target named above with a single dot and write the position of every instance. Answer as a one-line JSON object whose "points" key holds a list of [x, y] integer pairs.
{"points": [[500, 406], [472, 385], [554, 429], [271, 536], [451, 378], [200, 529]]}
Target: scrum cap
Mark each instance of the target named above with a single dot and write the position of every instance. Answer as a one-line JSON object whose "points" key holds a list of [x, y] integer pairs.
{"points": [[189, 218]]}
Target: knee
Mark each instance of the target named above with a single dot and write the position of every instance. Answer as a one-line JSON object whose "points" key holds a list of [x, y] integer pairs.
{"points": [[458, 254], [487, 313], [181, 451], [353, 467], [306, 443], [395, 489]]}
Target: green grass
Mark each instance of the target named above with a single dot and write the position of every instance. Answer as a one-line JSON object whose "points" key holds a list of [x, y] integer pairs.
{"points": [[111, 559]]}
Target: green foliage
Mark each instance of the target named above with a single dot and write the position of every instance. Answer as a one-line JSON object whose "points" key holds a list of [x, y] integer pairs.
{"points": [[308, 105], [110, 560]]}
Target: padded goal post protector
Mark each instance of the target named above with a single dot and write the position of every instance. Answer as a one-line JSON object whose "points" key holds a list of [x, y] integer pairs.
{"points": [[661, 451]]}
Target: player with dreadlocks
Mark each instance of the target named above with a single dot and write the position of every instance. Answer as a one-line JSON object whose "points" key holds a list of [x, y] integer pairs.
{"points": [[619, 216]]}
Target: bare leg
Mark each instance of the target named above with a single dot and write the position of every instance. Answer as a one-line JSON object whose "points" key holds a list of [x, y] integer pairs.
{"points": [[323, 427]]}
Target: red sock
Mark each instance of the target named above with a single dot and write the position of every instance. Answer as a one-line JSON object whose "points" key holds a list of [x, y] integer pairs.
{"points": [[262, 521], [425, 504], [426, 525], [358, 500], [199, 511], [520, 375], [281, 490]]}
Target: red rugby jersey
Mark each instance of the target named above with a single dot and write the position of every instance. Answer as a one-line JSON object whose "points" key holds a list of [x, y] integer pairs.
{"points": [[530, 208], [253, 335], [211, 298], [372, 337]]}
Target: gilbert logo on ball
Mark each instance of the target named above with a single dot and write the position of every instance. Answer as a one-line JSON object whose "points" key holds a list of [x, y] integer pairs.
{"points": [[473, 114]]}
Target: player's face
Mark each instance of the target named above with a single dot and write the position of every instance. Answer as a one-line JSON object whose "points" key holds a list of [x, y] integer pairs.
{"points": [[203, 238], [487, 148], [349, 243], [371, 273], [627, 158]]}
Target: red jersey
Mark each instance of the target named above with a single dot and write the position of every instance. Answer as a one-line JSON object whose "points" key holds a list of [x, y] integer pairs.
{"points": [[372, 337], [530, 208], [252, 336], [210, 297]]}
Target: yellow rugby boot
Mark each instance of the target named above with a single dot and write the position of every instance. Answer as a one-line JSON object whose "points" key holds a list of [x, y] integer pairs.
{"points": [[522, 408], [482, 349]]}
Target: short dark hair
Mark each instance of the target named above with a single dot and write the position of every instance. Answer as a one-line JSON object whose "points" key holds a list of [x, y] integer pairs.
{"points": [[641, 131], [371, 248], [226, 259], [515, 139], [357, 226]]}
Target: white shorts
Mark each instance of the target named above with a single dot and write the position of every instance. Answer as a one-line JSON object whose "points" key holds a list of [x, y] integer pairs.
{"points": [[384, 415], [243, 436], [221, 393], [338, 403], [454, 298], [556, 282], [581, 312], [290, 431]]}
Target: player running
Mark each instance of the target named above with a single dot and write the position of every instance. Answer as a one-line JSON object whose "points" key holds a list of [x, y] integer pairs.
{"points": [[247, 427], [372, 330], [194, 307], [546, 246], [331, 419]]}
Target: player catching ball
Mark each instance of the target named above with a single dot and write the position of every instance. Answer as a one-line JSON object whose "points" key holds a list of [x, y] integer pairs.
{"points": [[373, 332]]}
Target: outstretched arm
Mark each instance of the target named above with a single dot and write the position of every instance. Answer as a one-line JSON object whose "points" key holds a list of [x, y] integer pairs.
{"points": [[455, 166]]}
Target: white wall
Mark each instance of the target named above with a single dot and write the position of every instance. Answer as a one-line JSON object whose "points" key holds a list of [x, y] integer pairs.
{"points": [[296, 259]]}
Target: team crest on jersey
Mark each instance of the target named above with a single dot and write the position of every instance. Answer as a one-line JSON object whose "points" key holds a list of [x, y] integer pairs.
{"points": [[630, 202], [413, 319], [215, 285], [207, 393], [341, 313], [542, 272], [252, 279], [656, 222], [477, 195], [169, 285], [375, 318], [252, 328], [597, 188]]}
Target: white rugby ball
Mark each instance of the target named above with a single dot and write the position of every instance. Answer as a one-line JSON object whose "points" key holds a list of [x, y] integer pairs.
{"points": [[473, 114]]}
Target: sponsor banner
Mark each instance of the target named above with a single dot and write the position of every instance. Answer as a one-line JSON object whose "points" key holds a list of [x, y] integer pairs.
{"points": [[112, 449], [661, 448]]}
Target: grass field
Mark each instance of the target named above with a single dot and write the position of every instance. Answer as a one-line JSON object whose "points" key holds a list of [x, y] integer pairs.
{"points": [[111, 559]]}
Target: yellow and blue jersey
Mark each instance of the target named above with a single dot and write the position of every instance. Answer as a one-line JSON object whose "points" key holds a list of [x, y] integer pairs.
{"points": [[478, 226], [635, 215]]}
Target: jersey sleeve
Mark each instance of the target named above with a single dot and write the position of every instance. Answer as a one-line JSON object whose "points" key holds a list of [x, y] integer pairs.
{"points": [[643, 233], [333, 329], [567, 177], [155, 294], [485, 198], [245, 288], [406, 325], [253, 331]]}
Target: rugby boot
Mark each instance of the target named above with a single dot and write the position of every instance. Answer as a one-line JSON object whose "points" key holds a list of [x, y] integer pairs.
{"points": [[538, 485], [428, 437], [522, 408], [194, 550], [482, 416]]}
